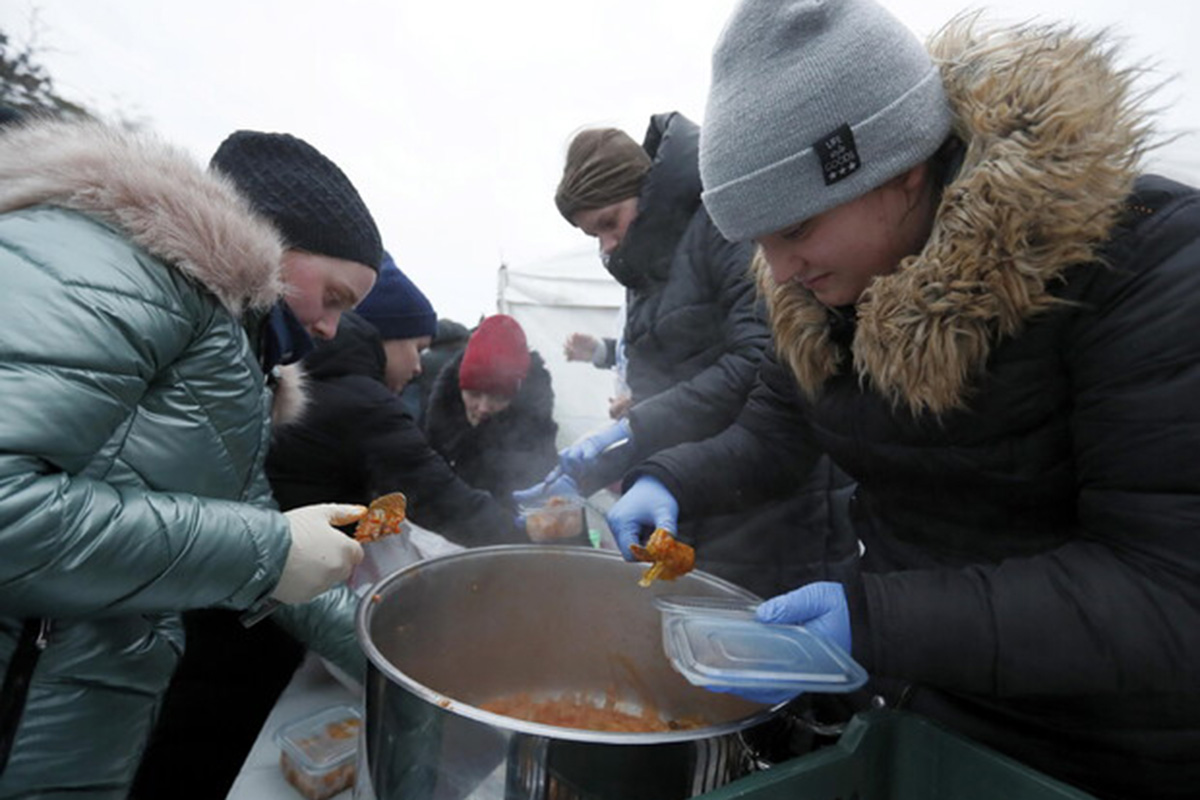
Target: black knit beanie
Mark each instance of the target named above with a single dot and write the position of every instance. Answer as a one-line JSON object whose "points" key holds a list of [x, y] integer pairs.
{"points": [[310, 200]]}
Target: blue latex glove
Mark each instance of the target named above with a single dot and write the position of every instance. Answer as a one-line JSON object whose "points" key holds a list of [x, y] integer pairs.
{"points": [[553, 485], [575, 459], [768, 697], [821, 607], [646, 506]]}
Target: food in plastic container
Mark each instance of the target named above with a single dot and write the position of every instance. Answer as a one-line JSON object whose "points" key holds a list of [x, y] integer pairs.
{"points": [[558, 518], [316, 753]]}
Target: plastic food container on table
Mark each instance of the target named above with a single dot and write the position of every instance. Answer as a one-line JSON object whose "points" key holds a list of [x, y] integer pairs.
{"points": [[317, 752], [718, 642]]}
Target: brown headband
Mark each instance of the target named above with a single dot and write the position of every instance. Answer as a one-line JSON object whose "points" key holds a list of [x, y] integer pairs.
{"points": [[604, 166]]}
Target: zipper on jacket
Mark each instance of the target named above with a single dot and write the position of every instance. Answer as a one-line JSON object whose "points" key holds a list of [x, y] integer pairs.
{"points": [[15, 689], [43, 634]]}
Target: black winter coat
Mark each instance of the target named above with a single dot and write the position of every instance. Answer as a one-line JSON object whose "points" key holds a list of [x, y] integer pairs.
{"points": [[694, 337], [513, 450], [1033, 559], [694, 333], [355, 442], [1018, 404]]}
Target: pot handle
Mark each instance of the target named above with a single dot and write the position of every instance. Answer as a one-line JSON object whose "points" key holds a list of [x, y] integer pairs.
{"points": [[795, 730]]}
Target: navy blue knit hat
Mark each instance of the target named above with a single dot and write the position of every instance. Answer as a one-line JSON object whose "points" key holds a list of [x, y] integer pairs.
{"points": [[396, 307], [310, 200]]}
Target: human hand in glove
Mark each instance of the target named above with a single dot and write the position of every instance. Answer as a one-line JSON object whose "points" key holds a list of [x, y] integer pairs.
{"points": [[553, 485], [320, 555], [575, 459], [646, 506], [821, 607]]}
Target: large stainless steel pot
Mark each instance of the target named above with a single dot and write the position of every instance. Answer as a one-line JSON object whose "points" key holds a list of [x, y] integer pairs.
{"points": [[446, 635]]}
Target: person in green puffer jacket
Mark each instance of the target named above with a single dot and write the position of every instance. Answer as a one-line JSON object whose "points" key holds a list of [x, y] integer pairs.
{"points": [[136, 424]]}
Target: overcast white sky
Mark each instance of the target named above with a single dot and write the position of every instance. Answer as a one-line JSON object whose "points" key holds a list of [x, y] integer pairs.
{"points": [[452, 118]]}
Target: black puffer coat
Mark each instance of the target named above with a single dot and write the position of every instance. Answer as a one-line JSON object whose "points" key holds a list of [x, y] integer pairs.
{"points": [[694, 333], [513, 450], [355, 443], [1023, 425], [694, 337]]}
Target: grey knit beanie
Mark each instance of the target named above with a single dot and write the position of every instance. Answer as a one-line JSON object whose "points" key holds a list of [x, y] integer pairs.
{"points": [[812, 104]]}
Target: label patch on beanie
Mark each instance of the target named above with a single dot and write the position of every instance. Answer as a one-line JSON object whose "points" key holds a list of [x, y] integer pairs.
{"points": [[838, 154]]}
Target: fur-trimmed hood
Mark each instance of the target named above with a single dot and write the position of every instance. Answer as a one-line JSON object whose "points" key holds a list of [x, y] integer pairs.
{"points": [[1053, 136], [156, 194]]}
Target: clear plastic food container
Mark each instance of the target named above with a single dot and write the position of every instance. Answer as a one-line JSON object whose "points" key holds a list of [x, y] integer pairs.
{"points": [[316, 753], [560, 517], [718, 642]]}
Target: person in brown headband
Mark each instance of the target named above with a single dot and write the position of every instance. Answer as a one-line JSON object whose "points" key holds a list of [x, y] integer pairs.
{"points": [[605, 167], [693, 336]]}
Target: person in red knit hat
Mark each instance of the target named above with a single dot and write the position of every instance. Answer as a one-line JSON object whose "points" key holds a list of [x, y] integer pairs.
{"points": [[493, 367], [491, 411]]}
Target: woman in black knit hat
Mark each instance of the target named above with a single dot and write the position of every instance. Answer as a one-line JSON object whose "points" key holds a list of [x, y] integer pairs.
{"points": [[230, 676], [332, 246], [132, 442]]}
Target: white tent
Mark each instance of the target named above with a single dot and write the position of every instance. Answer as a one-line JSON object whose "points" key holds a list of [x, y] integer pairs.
{"points": [[553, 298]]}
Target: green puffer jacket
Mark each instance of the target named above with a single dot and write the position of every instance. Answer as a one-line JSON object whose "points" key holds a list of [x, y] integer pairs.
{"points": [[134, 431]]}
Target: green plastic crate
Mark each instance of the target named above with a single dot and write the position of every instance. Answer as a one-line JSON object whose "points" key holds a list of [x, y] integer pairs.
{"points": [[895, 755]]}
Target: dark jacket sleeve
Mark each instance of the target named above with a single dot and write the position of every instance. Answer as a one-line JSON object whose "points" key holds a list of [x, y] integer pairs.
{"points": [[398, 458], [708, 402], [764, 455], [1117, 607], [606, 354]]}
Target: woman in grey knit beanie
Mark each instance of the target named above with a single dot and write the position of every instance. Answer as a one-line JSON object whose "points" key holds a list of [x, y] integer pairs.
{"points": [[985, 313]]}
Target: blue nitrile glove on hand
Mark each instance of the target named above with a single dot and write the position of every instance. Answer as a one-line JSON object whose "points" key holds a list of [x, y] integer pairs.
{"points": [[575, 459], [554, 484], [820, 607], [646, 506]]}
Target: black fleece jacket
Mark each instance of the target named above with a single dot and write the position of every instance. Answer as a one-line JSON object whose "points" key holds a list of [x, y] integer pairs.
{"points": [[355, 442]]}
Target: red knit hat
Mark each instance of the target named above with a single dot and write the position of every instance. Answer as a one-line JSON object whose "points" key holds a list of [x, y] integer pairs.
{"points": [[497, 357]]}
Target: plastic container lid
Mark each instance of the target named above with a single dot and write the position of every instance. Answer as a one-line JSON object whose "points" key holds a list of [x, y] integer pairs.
{"points": [[718, 642]]}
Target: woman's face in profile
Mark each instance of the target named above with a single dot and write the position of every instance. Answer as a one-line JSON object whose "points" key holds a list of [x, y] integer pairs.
{"points": [[482, 406], [403, 361], [608, 224], [837, 254], [320, 288]]}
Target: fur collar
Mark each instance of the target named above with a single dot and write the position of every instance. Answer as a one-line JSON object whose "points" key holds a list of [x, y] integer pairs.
{"points": [[189, 218], [1053, 135]]}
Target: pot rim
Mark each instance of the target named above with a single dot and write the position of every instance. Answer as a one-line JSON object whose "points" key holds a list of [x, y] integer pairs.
{"points": [[449, 704]]}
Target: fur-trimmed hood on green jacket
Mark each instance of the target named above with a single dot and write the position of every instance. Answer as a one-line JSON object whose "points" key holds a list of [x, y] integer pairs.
{"points": [[135, 425]]}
